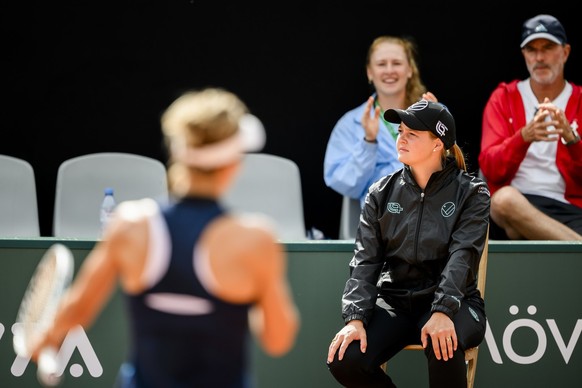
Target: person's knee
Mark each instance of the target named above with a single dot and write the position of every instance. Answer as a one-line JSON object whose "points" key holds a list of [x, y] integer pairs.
{"points": [[504, 199], [347, 366], [350, 367], [450, 373], [504, 203], [433, 360]]}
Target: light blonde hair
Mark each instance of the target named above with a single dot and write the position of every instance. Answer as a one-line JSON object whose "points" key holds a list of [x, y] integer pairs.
{"points": [[202, 117], [198, 118], [414, 87], [458, 154]]}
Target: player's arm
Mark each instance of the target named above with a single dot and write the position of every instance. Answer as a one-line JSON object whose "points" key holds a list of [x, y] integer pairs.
{"points": [[275, 318], [90, 290]]}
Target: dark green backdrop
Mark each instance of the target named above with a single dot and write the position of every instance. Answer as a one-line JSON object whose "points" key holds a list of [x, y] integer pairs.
{"points": [[532, 299]]}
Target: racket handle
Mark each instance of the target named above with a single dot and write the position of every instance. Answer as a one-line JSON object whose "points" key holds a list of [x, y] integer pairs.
{"points": [[48, 367]]}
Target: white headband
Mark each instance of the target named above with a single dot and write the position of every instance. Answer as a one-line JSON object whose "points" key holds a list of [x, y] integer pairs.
{"points": [[250, 137]]}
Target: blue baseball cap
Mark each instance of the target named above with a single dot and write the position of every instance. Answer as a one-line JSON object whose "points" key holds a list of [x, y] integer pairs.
{"points": [[543, 27]]}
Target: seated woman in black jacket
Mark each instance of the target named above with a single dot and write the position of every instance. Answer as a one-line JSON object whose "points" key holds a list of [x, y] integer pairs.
{"points": [[413, 276]]}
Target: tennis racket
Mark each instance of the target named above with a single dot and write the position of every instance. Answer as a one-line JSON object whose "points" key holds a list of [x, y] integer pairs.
{"points": [[52, 276]]}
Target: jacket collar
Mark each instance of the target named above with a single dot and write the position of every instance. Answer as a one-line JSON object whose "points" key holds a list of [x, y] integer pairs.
{"points": [[437, 179]]}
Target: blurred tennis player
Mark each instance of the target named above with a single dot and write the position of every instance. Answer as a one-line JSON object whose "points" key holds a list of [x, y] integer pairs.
{"points": [[197, 279]]}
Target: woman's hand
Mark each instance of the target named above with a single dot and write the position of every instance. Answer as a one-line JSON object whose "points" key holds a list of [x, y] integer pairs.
{"points": [[442, 332], [371, 124], [429, 97], [353, 330]]}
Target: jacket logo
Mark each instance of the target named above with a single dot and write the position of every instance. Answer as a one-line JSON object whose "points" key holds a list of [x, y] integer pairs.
{"points": [[394, 207], [448, 209]]}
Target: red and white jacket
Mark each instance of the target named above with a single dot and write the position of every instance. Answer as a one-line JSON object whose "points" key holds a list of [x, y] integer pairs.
{"points": [[503, 148]]}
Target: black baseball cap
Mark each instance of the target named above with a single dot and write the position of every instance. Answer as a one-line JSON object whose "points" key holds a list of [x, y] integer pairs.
{"points": [[426, 115], [543, 26]]}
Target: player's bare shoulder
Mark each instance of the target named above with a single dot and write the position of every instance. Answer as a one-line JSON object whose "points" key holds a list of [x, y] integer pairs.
{"points": [[136, 210], [250, 230], [130, 219], [256, 223], [243, 255], [246, 238]]}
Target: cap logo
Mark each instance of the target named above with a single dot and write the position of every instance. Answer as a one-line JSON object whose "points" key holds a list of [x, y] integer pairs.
{"points": [[419, 105], [441, 129], [543, 27]]}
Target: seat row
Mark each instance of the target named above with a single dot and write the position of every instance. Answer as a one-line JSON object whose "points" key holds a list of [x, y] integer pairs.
{"points": [[267, 183]]}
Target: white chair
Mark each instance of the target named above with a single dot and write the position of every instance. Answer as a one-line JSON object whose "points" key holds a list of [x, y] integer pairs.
{"points": [[349, 219], [271, 185], [81, 182], [18, 202]]}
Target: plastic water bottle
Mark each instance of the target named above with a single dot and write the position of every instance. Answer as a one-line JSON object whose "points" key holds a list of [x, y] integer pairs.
{"points": [[107, 207]]}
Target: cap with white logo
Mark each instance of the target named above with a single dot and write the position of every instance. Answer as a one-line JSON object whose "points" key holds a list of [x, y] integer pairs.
{"points": [[543, 27], [426, 116]]}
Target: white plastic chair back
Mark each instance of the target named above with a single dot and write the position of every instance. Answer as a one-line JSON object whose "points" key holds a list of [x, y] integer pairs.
{"points": [[18, 202], [349, 219], [81, 182], [271, 185]]}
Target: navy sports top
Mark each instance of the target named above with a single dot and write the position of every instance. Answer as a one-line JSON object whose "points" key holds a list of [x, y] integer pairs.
{"points": [[182, 336]]}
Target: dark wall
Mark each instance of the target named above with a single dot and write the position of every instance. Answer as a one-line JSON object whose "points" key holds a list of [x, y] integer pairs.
{"points": [[95, 76]]}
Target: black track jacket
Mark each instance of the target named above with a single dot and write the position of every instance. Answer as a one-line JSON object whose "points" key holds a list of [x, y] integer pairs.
{"points": [[417, 243]]}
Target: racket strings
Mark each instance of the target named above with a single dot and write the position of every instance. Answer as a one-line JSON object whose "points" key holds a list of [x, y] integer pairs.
{"points": [[38, 303], [41, 299]]}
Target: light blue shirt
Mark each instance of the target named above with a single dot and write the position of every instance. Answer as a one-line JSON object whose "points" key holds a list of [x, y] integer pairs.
{"points": [[352, 164]]}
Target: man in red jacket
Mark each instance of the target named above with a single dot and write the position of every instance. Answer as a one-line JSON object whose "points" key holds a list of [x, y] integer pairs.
{"points": [[531, 153]]}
